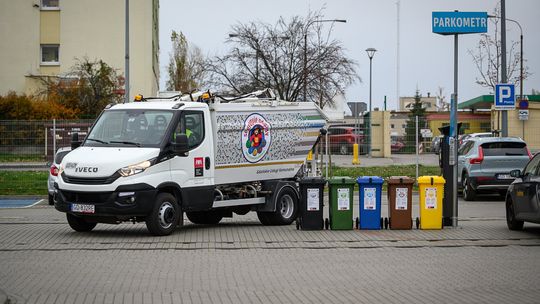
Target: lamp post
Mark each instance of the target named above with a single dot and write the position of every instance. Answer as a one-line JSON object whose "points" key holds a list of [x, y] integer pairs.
{"points": [[370, 52], [305, 49]]}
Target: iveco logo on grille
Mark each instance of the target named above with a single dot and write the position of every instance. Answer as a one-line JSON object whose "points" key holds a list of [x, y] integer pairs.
{"points": [[87, 169]]}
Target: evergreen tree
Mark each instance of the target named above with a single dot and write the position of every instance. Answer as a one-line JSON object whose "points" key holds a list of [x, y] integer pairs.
{"points": [[417, 109]]}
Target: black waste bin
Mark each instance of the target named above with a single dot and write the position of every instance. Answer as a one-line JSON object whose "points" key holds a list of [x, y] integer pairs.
{"points": [[311, 203]]}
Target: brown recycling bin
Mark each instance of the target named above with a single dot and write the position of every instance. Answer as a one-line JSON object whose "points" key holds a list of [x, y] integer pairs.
{"points": [[399, 202]]}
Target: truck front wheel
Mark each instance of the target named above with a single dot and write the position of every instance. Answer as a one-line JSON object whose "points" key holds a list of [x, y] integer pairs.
{"points": [[286, 209], [164, 217], [79, 224]]}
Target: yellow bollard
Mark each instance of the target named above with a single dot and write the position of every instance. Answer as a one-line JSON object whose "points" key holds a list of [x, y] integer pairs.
{"points": [[355, 160], [310, 156]]}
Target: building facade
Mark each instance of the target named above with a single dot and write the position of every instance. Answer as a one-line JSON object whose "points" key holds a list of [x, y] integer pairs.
{"points": [[44, 38], [429, 103]]}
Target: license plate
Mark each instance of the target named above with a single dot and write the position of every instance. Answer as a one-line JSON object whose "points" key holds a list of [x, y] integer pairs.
{"points": [[504, 176], [83, 208]]}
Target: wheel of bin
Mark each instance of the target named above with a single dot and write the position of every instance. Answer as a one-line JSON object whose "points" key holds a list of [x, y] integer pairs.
{"points": [[326, 223], [417, 223], [357, 223], [385, 223]]}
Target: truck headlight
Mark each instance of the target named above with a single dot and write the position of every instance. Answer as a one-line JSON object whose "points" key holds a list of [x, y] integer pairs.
{"points": [[136, 168]]}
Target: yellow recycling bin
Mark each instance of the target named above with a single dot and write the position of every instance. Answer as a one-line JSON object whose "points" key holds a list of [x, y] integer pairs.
{"points": [[431, 190]]}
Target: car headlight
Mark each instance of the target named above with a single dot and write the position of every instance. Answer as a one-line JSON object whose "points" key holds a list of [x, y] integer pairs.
{"points": [[136, 168]]}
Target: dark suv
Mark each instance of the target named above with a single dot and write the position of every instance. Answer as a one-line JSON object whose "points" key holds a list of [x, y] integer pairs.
{"points": [[342, 138]]}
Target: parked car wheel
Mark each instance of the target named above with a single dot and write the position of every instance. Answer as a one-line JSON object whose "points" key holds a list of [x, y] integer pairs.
{"points": [[468, 192], [511, 221]]}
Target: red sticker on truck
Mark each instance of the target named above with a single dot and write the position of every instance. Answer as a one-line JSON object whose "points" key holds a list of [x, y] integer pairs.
{"points": [[198, 164]]}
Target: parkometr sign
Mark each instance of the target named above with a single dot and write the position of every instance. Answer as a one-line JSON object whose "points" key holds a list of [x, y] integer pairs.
{"points": [[450, 23]]}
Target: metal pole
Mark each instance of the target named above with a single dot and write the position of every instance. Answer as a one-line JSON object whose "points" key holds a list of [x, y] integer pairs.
{"points": [[397, 56], [54, 137], [416, 133], [370, 114], [326, 152], [126, 85], [521, 78], [503, 65], [454, 133], [305, 66]]}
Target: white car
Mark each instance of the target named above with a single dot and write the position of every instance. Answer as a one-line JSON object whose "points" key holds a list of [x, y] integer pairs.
{"points": [[53, 171]]}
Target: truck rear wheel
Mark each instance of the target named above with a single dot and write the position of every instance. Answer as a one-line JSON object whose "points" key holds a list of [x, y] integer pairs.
{"points": [[286, 209], [79, 224], [164, 217], [204, 217]]}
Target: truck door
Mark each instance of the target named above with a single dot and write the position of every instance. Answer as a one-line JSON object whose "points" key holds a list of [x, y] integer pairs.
{"points": [[194, 172]]}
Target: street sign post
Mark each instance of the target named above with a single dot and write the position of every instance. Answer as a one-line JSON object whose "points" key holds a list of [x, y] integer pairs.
{"points": [[455, 23], [451, 23], [505, 96], [523, 115]]}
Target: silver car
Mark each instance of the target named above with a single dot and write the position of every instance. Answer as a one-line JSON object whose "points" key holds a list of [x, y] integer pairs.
{"points": [[53, 171], [484, 164]]}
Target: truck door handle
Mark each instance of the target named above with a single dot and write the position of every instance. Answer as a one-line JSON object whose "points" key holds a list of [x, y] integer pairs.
{"points": [[207, 163]]}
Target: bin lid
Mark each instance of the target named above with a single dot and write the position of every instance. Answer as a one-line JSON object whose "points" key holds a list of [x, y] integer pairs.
{"points": [[431, 179], [313, 180], [370, 180], [341, 180], [400, 180]]}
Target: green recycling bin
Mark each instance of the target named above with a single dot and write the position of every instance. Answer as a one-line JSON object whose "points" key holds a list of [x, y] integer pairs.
{"points": [[341, 203]]}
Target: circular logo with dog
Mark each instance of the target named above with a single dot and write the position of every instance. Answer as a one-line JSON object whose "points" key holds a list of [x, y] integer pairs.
{"points": [[256, 138]]}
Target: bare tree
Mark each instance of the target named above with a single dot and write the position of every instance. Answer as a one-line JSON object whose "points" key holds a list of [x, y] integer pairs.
{"points": [[487, 57], [186, 65], [272, 56]]}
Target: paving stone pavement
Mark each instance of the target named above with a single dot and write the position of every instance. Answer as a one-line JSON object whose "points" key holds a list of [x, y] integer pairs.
{"points": [[240, 261]]}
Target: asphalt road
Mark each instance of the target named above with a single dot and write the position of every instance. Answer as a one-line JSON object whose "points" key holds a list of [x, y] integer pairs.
{"points": [[240, 261]]}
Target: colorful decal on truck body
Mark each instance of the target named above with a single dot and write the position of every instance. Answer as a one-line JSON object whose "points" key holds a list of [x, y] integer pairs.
{"points": [[256, 137]]}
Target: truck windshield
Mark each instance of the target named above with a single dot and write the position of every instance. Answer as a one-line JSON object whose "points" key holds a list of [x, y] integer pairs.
{"points": [[134, 128]]}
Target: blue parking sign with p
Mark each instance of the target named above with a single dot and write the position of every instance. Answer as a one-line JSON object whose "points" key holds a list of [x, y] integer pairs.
{"points": [[505, 97]]}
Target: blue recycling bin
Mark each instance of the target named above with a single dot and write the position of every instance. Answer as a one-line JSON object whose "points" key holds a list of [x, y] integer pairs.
{"points": [[370, 202]]}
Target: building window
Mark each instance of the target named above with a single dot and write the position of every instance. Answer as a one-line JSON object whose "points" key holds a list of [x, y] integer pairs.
{"points": [[403, 126], [50, 4], [50, 54], [392, 126]]}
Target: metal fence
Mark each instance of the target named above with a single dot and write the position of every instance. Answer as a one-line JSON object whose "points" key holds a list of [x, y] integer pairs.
{"points": [[36, 140]]}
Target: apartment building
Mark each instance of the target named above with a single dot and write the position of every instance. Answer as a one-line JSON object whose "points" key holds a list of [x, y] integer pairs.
{"points": [[44, 38]]}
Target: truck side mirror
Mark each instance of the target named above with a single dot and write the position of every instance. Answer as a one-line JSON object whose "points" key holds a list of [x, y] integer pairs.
{"points": [[180, 144], [515, 173], [75, 142]]}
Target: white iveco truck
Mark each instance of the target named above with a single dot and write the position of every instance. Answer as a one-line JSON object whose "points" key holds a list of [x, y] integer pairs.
{"points": [[155, 159]]}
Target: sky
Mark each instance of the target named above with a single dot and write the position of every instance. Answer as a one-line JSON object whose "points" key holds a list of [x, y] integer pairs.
{"points": [[426, 59]]}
